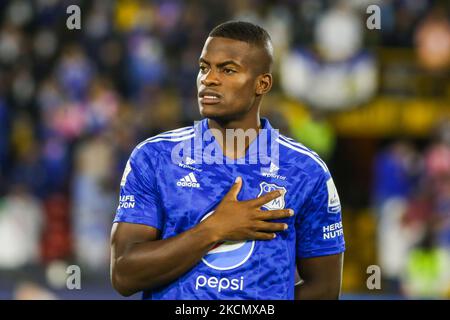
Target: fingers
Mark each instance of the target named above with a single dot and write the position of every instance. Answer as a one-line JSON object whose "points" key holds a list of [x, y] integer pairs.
{"points": [[271, 226], [263, 236], [258, 202], [275, 214], [235, 189]]}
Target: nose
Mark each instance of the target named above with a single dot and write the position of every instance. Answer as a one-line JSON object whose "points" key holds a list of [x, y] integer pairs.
{"points": [[209, 79]]}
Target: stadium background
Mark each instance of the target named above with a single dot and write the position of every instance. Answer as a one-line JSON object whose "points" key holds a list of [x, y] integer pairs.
{"points": [[375, 104]]}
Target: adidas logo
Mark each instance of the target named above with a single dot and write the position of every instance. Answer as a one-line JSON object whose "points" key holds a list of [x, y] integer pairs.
{"points": [[188, 181]]}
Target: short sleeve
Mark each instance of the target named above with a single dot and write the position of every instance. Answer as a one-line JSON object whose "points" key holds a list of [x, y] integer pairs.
{"points": [[319, 229], [139, 201]]}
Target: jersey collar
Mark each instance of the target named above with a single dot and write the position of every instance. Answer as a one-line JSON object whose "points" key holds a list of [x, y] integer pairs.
{"points": [[261, 151]]}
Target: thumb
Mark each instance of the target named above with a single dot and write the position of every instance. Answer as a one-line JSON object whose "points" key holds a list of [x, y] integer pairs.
{"points": [[235, 189]]}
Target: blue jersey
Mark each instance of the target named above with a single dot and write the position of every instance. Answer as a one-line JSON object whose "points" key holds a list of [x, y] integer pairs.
{"points": [[176, 179]]}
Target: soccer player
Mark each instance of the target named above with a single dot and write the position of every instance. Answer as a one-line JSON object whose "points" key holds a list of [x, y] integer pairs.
{"points": [[202, 218]]}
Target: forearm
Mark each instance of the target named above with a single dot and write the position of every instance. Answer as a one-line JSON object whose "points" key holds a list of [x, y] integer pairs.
{"points": [[154, 263]]}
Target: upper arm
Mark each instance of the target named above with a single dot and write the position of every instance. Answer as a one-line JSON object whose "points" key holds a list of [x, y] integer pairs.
{"points": [[124, 235], [318, 224], [139, 216], [140, 201], [320, 240], [322, 274]]}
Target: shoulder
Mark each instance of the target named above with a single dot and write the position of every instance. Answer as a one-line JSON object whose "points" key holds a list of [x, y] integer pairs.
{"points": [[145, 153], [165, 140], [319, 181], [301, 156]]}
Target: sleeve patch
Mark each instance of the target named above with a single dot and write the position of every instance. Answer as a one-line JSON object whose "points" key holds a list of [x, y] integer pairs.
{"points": [[334, 204], [125, 174]]}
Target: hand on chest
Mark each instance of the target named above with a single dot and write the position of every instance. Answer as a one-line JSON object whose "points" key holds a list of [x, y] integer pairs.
{"points": [[191, 190]]}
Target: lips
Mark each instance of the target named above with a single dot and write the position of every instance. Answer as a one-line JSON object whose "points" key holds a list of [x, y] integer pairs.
{"points": [[209, 97]]}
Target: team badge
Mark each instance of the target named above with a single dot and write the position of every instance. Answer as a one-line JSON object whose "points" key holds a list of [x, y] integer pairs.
{"points": [[275, 204]]}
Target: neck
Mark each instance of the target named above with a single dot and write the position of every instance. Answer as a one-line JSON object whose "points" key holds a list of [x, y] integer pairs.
{"points": [[228, 138], [244, 124]]}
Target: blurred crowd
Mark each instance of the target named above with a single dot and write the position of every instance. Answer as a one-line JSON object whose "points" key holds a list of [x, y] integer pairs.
{"points": [[74, 103], [412, 201]]}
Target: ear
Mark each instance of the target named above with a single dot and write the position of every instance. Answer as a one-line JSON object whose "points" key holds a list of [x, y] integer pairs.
{"points": [[263, 83]]}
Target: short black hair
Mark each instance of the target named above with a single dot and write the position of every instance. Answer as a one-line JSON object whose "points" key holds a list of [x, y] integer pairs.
{"points": [[247, 32]]}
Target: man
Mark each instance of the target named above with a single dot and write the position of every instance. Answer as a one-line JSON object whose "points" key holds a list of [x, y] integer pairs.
{"points": [[215, 224]]}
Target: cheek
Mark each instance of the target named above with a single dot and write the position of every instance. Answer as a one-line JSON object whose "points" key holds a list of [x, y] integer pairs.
{"points": [[243, 88]]}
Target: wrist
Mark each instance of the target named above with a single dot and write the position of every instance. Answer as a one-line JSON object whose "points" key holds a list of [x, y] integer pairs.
{"points": [[208, 233]]}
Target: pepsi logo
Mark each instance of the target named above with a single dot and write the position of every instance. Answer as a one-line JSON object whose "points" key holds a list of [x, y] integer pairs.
{"points": [[228, 255]]}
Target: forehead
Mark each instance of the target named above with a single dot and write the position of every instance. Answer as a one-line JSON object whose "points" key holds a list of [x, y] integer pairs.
{"points": [[217, 50]]}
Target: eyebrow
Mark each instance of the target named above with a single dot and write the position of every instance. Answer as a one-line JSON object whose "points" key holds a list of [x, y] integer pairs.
{"points": [[222, 64]]}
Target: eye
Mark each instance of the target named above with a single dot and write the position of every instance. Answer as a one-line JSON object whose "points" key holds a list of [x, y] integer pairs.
{"points": [[203, 69], [228, 71]]}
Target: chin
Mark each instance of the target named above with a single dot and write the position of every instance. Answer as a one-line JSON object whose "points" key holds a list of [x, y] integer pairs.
{"points": [[216, 113], [211, 113]]}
